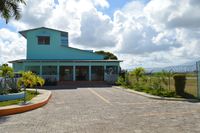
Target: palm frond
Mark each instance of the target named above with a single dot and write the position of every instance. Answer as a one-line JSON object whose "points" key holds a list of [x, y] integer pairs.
{"points": [[10, 8]]}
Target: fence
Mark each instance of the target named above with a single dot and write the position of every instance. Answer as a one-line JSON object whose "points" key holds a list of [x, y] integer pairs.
{"points": [[198, 78], [190, 85]]}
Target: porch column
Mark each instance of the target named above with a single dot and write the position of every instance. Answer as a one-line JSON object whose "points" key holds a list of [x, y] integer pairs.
{"points": [[118, 71], [74, 73], [105, 73], [58, 73], [24, 67], [90, 73], [40, 70]]}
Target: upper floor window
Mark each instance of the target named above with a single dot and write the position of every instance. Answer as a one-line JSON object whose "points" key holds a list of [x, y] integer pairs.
{"points": [[64, 38], [44, 40]]}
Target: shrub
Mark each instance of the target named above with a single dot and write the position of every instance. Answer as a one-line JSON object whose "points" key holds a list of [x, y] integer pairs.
{"points": [[120, 81], [40, 81], [138, 73], [29, 80], [8, 83], [161, 92], [155, 85], [12, 83], [2, 90], [180, 83], [6, 71]]}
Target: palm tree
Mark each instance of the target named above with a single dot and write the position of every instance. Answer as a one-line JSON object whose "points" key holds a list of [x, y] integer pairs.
{"points": [[6, 72], [138, 73], [29, 79], [10, 8]]}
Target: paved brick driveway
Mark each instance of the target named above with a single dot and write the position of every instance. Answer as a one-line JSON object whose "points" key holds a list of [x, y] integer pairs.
{"points": [[105, 110]]}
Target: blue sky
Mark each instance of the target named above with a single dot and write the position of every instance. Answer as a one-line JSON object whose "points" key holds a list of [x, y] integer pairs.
{"points": [[7, 26], [117, 5], [148, 33], [114, 5]]}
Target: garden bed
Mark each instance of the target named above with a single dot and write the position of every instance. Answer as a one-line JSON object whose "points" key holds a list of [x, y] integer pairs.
{"points": [[12, 96], [29, 96]]}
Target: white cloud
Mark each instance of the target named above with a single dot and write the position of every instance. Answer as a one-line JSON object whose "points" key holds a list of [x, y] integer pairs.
{"points": [[12, 46], [173, 13], [158, 33], [35, 14], [96, 30], [137, 35], [166, 29], [101, 3], [66, 15]]}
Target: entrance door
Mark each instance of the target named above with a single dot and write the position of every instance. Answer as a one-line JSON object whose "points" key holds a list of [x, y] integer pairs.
{"points": [[66, 73], [82, 73], [97, 73]]}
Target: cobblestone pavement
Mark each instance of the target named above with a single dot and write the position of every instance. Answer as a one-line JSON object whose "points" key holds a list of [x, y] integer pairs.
{"points": [[105, 110]]}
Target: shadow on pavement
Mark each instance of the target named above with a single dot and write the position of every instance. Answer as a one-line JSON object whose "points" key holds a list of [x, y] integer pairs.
{"points": [[3, 119], [77, 84]]}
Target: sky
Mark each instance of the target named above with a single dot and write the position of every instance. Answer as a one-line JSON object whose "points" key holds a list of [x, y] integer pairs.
{"points": [[147, 33]]}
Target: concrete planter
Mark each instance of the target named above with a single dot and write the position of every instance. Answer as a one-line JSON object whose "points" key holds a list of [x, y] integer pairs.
{"points": [[12, 96]]}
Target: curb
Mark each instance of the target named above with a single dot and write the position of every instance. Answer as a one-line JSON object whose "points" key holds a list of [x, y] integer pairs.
{"points": [[155, 97], [34, 103]]}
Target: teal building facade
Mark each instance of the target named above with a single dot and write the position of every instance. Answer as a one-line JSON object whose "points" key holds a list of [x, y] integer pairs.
{"points": [[50, 56]]}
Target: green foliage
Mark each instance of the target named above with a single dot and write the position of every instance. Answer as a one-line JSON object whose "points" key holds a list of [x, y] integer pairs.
{"points": [[10, 8], [40, 81], [12, 83], [163, 77], [155, 84], [107, 55], [1, 85], [2, 90], [163, 92], [29, 79], [154, 88], [8, 83], [121, 81], [138, 73], [6, 71]]}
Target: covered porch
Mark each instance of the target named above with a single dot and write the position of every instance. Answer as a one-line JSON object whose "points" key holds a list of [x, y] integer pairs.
{"points": [[72, 70]]}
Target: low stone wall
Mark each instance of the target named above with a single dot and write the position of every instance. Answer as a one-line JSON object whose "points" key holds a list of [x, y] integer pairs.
{"points": [[38, 101], [12, 96]]}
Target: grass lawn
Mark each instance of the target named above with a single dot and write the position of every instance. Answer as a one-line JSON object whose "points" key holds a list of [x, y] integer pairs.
{"points": [[29, 96]]}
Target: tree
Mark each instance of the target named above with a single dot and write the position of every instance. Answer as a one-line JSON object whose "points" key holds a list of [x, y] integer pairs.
{"points": [[6, 72], [107, 55], [29, 79], [138, 73], [10, 8], [40, 81]]}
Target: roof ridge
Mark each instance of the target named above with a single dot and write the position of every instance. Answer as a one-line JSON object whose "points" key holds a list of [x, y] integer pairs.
{"points": [[24, 31]]}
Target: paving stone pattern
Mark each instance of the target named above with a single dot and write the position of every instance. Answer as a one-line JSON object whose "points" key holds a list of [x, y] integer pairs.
{"points": [[105, 110]]}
